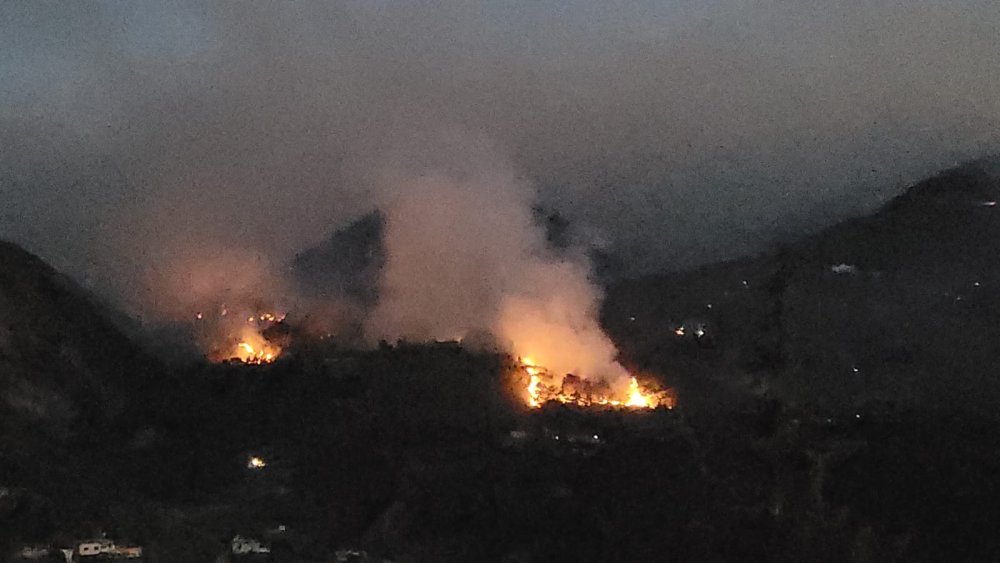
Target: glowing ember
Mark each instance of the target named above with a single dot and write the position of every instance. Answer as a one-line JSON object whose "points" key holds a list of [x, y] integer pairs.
{"points": [[256, 463], [575, 391]]}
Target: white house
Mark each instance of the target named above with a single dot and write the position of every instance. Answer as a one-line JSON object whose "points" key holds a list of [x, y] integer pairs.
{"points": [[244, 546], [844, 269], [350, 555], [92, 548], [126, 551]]}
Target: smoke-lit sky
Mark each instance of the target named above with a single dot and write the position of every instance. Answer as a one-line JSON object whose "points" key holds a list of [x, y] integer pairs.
{"points": [[135, 135]]}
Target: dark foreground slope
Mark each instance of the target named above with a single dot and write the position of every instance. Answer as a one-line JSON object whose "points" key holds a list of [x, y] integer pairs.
{"points": [[71, 387], [62, 363]]}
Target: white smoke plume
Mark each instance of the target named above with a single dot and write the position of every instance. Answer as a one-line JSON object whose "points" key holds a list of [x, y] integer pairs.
{"points": [[464, 257]]}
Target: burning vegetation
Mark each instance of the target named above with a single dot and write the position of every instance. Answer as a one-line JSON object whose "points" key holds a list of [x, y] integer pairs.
{"points": [[262, 353], [255, 347], [543, 387], [251, 342]]}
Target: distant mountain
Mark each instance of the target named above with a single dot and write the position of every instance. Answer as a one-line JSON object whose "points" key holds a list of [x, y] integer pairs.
{"points": [[345, 264], [901, 307]]}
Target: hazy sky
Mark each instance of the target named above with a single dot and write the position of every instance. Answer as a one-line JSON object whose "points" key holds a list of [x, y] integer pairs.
{"points": [[136, 133]]}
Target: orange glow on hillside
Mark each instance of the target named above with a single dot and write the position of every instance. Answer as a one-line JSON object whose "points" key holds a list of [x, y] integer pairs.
{"points": [[256, 350], [543, 388], [232, 340]]}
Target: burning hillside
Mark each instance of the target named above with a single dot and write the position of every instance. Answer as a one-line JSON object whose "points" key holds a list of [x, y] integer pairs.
{"points": [[465, 256], [543, 387], [251, 338], [261, 353]]}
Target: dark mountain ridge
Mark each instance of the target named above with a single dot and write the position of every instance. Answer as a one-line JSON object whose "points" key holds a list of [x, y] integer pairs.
{"points": [[902, 305], [62, 360]]}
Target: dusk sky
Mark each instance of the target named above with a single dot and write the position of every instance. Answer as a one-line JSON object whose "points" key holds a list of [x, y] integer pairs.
{"points": [[674, 132]]}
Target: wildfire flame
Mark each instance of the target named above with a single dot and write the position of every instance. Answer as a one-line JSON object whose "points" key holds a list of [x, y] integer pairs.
{"points": [[533, 391], [249, 344], [263, 354], [584, 394]]}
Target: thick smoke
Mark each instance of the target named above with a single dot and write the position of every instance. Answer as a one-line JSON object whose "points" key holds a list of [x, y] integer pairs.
{"points": [[464, 258], [137, 138]]}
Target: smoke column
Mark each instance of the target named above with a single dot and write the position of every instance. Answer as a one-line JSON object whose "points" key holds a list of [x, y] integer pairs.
{"points": [[465, 257]]}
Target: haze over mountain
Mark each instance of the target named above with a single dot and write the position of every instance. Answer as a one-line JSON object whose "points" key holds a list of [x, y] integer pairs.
{"points": [[140, 142], [899, 306], [443, 280]]}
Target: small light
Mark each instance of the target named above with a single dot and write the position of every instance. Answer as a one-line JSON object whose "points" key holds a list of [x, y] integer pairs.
{"points": [[855, 369], [596, 437], [975, 284], [709, 305], [631, 318], [857, 415]]}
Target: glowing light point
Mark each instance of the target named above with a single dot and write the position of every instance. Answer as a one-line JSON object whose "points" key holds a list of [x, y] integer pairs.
{"points": [[256, 463]]}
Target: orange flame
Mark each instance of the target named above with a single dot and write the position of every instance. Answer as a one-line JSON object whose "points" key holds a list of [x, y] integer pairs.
{"points": [[252, 347], [263, 353], [539, 392]]}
